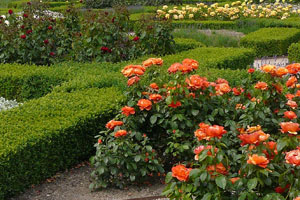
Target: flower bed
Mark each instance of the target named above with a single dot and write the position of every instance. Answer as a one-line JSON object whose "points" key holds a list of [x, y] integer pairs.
{"points": [[230, 142], [271, 41], [236, 10]]}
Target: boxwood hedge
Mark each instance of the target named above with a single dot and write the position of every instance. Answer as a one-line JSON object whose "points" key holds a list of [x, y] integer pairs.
{"points": [[51, 133], [294, 52], [271, 41]]}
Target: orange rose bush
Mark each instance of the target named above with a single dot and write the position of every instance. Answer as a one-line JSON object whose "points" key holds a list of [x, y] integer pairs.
{"points": [[220, 141]]}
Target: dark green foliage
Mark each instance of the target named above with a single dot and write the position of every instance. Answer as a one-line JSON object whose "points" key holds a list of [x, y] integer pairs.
{"points": [[294, 52], [50, 134], [184, 44], [271, 41]]}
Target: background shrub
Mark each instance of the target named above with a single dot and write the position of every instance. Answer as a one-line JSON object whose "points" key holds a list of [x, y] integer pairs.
{"points": [[294, 52]]}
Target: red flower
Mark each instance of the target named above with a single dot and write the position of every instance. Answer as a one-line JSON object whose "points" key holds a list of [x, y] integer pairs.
{"points": [[28, 32], [237, 91], [133, 80], [29, 3], [272, 148], [50, 27], [126, 110], [175, 105], [281, 190], [25, 15], [251, 70], [112, 124], [99, 141], [23, 36], [144, 104], [207, 132], [290, 115], [22, 27], [260, 161], [154, 86], [10, 12], [289, 127], [218, 168], [52, 54], [155, 97], [120, 133], [181, 172], [105, 50], [46, 42], [136, 38], [293, 157]]}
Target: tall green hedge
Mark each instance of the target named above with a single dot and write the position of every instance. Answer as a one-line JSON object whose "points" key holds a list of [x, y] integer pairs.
{"points": [[271, 41], [294, 52], [50, 134]]}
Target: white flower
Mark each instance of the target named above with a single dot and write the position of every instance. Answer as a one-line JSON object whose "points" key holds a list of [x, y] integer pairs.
{"points": [[6, 22], [175, 16], [191, 16], [167, 16], [180, 16], [165, 7]]}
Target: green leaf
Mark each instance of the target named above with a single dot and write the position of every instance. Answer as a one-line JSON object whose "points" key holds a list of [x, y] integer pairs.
{"points": [[207, 196], [153, 119], [137, 158], [169, 100], [281, 144], [195, 112], [194, 173], [169, 177], [221, 182], [203, 176], [252, 183]]}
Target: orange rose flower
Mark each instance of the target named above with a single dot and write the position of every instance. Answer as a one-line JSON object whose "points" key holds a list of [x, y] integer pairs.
{"points": [[175, 105], [181, 172], [292, 104], [290, 115], [298, 93], [261, 85], [278, 87], [144, 104], [272, 148], [281, 71], [133, 70], [290, 96], [297, 198], [120, 133], [293, 68], [155, 97], [293, 157], [215, 131], [221, 80], [253, 138], [222, 88], [237, 91], [185, 69], [289, 127], [154, 86], [190, 62], [269, 68], [133, 80], [152, 61], [260, 161], [291, 82], [174, 68], [196, 82], [218, 168], [233, 180], [126, 110], [112, 124]]}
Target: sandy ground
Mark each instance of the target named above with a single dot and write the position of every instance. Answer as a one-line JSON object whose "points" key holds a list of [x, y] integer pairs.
{"points": [[74, 185]]}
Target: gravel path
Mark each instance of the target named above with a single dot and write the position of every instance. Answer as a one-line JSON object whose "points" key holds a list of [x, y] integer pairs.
{"points": [[74, 185]]}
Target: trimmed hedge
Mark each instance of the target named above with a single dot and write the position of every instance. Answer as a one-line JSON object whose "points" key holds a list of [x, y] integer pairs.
{"points": [[204, 24], [23, 82], [50, 134], [185, 44], [271, 41], [294, 53]]}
